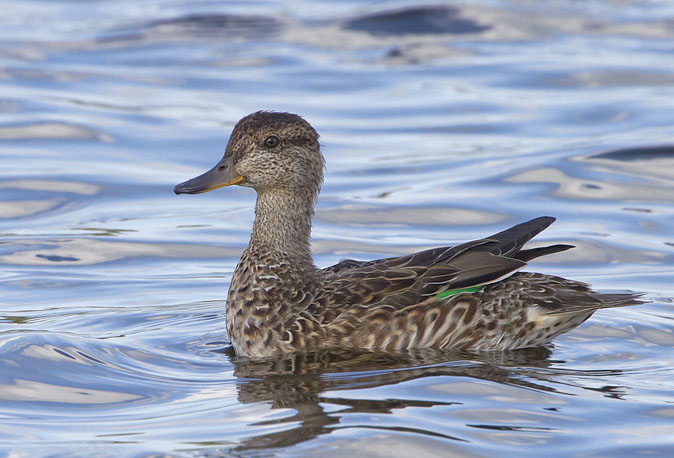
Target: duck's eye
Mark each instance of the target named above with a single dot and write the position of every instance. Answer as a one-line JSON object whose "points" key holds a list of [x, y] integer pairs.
{"points": [[271, 142]]}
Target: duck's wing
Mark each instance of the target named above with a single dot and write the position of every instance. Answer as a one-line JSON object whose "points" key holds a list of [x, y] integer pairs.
{"points": [[507, 243], [411, 279]]}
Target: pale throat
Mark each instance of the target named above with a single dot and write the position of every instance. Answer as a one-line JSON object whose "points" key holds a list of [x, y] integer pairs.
{"points": [[283, 223]]}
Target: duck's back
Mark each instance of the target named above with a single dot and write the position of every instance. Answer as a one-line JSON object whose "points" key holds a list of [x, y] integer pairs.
{"points": [[466, 296]]}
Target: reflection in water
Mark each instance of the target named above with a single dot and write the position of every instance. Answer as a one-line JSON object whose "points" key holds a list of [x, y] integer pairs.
{"points": [[316, 387], [300, 381]]}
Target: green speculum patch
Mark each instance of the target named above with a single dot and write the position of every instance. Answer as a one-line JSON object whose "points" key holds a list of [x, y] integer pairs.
{"points": [[470, 289]]}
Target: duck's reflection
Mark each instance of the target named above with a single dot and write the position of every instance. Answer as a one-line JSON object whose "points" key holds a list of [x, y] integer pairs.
{"points": [[299, 382]]}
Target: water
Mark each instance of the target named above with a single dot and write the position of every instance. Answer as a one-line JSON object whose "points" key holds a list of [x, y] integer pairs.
{"points": [[439, 125]]}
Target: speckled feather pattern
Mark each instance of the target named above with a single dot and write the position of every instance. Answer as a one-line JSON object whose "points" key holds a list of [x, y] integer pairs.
{"points": [[279, 302]]}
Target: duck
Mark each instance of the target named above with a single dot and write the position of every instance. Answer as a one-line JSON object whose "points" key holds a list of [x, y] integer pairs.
{"points": [[472, 296]]}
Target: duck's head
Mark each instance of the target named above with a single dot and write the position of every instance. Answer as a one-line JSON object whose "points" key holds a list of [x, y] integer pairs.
{"points": [[266, 151]]}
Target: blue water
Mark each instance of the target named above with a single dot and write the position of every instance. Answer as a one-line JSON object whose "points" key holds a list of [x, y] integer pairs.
{"points": [[439, 125]]}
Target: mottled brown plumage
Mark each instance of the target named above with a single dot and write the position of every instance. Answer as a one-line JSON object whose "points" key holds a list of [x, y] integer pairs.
{"points": [[280, 302]]}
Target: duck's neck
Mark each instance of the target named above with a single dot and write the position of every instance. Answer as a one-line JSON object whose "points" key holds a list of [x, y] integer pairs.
{"points": [[283, 225]]}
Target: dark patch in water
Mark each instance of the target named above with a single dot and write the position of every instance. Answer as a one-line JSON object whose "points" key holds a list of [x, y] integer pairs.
{"points": [[56, 258], [591, 186], [637, 154], [63, 353], [218, 24], [418, 20], [201, 25], [395, 52], [91, 358]]}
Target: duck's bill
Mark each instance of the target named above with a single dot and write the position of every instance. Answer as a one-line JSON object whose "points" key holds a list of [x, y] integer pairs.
{"points": [[215, 178]]}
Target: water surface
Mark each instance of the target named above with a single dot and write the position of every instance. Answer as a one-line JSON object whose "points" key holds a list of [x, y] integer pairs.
{"points": [[439, 124]]}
